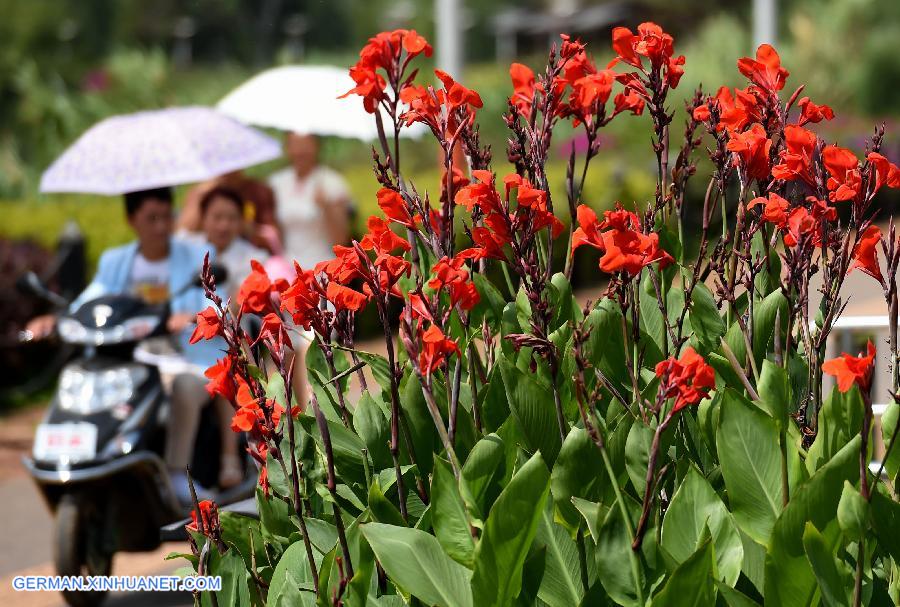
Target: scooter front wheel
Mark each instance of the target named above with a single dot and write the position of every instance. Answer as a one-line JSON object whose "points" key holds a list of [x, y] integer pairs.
{"points": [[78, 546]]}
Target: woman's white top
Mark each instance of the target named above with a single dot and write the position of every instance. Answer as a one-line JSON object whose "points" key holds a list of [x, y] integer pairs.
{"points": [[304, 225]]}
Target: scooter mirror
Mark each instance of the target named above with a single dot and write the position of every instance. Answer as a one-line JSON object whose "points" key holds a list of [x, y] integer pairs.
{"points": [[30, 283], [218, 272]]}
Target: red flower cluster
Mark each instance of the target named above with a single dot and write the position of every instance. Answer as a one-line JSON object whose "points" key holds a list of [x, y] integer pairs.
{"points": [[797, 222], [688, 379], [209, 516], [438, 108], [209, 325], [384, 52], [765, 71], [751, 151], [735, 111], [650, 42], [626, 248], [849, 370], [797, 157], [435, 348], [452, 275], [255, 294]]}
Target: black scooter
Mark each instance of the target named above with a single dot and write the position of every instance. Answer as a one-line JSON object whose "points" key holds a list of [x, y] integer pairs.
{"points": [[97, 455]]}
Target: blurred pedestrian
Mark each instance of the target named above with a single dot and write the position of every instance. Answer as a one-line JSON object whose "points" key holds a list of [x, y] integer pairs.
{"points": [[222, 219], [260, 227], [313, 203]]}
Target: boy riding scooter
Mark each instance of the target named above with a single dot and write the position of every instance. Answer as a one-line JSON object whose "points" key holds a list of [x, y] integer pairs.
{"points": [[154, 268]]}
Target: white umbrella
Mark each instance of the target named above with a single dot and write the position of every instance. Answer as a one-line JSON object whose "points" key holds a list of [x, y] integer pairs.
{"points": [[304, 99]]}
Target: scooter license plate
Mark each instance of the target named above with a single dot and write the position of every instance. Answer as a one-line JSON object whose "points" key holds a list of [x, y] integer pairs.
{"points": [[74, 441]]}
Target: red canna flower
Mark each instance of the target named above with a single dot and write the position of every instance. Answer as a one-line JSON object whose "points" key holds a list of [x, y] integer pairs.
{"points": [[765, 71], [419, 307], [736, 112], [436, 347], [701, 113], [274, 331], [394, 207], [490, 245], [751, 150], [452, 275], [775, 208], [650, 42], [849, 370], [345, 266], [480, 193], [688, 379], [810, 112], [629, 101], [457, 182], [796, 158], [799, 224], [301, 300], [221, 379], [264, 481], [865, 253], [589, 96], [388, 270], [345, 298], [369, 85], [381, 238], [209, 325], [844, 181], [630, 251], [208, 515], [588, 230], [457, 95], [255, 294], [886, 172], [523, 88]]}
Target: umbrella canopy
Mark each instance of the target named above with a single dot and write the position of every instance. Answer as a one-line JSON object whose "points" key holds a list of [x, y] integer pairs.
{"points": [[155, 149], [304, 99]]}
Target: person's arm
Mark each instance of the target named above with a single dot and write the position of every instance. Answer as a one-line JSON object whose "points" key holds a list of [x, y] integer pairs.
{"points": [[189, 218]]}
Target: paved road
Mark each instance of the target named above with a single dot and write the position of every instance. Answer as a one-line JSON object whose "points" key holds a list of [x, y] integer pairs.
{"points": [[25, 539]]}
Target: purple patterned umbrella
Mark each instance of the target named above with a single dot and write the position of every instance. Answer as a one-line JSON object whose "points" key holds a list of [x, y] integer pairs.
{"points": [[155, 149]]}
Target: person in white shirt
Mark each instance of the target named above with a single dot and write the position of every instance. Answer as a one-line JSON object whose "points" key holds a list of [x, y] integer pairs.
{"points": [[312, 203], [312, 206]]}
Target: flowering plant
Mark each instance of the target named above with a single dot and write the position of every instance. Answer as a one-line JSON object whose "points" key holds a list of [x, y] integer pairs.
{"points": [[670, 442]]}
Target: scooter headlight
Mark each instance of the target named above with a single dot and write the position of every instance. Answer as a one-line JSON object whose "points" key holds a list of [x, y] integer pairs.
{"points": [[133, 329], [87, 392]]}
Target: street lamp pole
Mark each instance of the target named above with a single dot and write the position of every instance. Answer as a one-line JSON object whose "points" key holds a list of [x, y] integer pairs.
{"points": [[448, 26], [765, 22]]}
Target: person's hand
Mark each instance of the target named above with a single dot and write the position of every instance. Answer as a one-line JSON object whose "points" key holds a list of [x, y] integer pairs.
{"points": [[178, 322], [40, 327]]}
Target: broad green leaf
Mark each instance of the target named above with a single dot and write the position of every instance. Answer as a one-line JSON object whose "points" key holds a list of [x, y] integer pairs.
{"points": [[565, 308], [747, 443], [416, 563], [637, 455], [764, 313], [491, 301], [374, 429], [705, 318], [448, 515], [494, 400], [886, 521], [291, 572], [734, 598], [230, 567], [889, 421], [789, 576], [346, 446], [694, 508], [840, 419], [383, 511], [613, 559], [775, 392], [561, 585], [651, 318], [577, 473], [421, 425], [853, 513], [508, 534], [754, 564], [831, 585], [692, 583], [593, 513], [605, 347], [483, 472], [531, 404]]}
